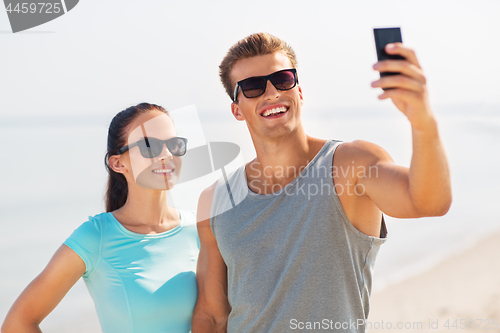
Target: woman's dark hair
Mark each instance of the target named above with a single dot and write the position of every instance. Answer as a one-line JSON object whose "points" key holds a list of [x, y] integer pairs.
{"points": [[117, 188]]}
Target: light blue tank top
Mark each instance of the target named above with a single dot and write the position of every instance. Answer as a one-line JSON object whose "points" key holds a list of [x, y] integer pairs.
{"points": [[139, 283]]}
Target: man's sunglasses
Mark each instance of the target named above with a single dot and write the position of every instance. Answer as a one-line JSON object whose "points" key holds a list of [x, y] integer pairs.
{"points": [[152, 147], [255, 86]]}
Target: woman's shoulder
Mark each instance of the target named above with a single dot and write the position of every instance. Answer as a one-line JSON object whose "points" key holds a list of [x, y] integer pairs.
{"points": [[188, 217], [93, 227], [188, 223], [86, 240]]}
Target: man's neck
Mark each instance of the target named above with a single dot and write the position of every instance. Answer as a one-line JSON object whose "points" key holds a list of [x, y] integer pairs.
{"points": [[280, 160]]}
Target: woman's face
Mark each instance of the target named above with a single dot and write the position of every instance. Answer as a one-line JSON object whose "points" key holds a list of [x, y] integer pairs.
{"points": [[160, 172]]}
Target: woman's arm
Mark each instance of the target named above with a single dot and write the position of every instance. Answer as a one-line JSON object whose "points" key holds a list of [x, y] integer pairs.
{"points": [[43, 294]]}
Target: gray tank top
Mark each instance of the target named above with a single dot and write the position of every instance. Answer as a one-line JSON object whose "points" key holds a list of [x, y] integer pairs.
{"points": [[294, 261]]}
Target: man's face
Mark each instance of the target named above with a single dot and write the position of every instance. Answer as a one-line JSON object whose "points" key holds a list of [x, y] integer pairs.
{"points": [[252, 110]]}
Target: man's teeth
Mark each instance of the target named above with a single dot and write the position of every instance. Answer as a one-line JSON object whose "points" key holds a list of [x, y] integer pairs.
{"points": [[272, 112], [163, 170]]}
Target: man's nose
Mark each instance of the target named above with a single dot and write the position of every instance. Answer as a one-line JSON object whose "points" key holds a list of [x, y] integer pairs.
{"points": [[271, 91]]}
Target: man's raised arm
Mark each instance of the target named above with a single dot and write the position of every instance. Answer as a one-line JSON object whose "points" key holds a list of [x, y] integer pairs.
{"points": [[212, 307], [425, 188]]}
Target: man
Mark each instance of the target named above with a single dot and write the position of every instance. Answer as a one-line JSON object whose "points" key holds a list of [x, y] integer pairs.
{"points": [[298, 251]]}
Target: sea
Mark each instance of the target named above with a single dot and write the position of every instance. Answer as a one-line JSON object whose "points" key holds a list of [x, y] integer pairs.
{"points": [[52, 177]]}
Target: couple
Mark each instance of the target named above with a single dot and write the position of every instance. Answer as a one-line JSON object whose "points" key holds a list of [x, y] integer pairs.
{"points": [[281, 259]]}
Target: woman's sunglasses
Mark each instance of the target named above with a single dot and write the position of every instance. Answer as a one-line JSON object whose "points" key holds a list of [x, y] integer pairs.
{"points": [[255, 86], [152, 147]]}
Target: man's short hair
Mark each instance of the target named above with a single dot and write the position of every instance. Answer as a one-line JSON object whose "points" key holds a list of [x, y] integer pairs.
{"points": [[257, 44]]}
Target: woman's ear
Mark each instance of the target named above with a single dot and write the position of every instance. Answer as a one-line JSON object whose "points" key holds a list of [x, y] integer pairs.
{"points": [[115, 163]]}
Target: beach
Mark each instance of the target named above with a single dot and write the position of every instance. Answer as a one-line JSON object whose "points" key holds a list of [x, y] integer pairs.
{"points": [[462, 293], [64, 80], [73, 184]]}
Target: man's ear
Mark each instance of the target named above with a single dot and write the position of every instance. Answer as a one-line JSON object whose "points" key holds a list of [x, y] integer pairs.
{"points": [[235, 109], [301, 97], [116, 164]]}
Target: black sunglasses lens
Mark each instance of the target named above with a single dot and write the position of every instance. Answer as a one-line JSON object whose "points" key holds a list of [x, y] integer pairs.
{"points": [[256, 86], [177, 146], [150, 147], [284, 80], [253, 87]]}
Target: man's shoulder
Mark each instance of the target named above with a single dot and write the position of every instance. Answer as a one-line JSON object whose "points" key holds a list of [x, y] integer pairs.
{"points": [[210, 189], [360, 152], [208, 192]]}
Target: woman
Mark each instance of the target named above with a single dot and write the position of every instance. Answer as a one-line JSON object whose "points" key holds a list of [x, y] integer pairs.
{"points": [[138, 259]]}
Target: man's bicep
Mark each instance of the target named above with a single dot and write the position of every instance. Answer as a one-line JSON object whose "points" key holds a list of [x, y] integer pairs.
{"points": [[388, 188], [211, 274], [383, 181], [211, 271]]}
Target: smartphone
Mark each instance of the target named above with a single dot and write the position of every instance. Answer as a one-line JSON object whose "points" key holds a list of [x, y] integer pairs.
{"points": [[383, 37]]}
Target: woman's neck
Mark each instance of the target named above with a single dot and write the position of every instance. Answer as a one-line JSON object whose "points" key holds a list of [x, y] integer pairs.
{"points": [[147, 211]]}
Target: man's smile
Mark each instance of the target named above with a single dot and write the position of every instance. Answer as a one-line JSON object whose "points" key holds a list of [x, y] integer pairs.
{"points": [[274, 110]]}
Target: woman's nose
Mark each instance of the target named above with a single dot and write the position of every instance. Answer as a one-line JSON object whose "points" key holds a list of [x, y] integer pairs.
{"points": [[165, 153]]}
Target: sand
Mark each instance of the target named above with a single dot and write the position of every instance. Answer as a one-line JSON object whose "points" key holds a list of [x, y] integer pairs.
{"points": [[453, 296]]}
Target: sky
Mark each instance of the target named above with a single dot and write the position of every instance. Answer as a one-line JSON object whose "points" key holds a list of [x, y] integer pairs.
{"points": [[106, 55]]}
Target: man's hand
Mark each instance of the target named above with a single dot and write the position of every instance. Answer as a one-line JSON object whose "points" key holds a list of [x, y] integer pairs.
{"points": [[409, 90]]}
